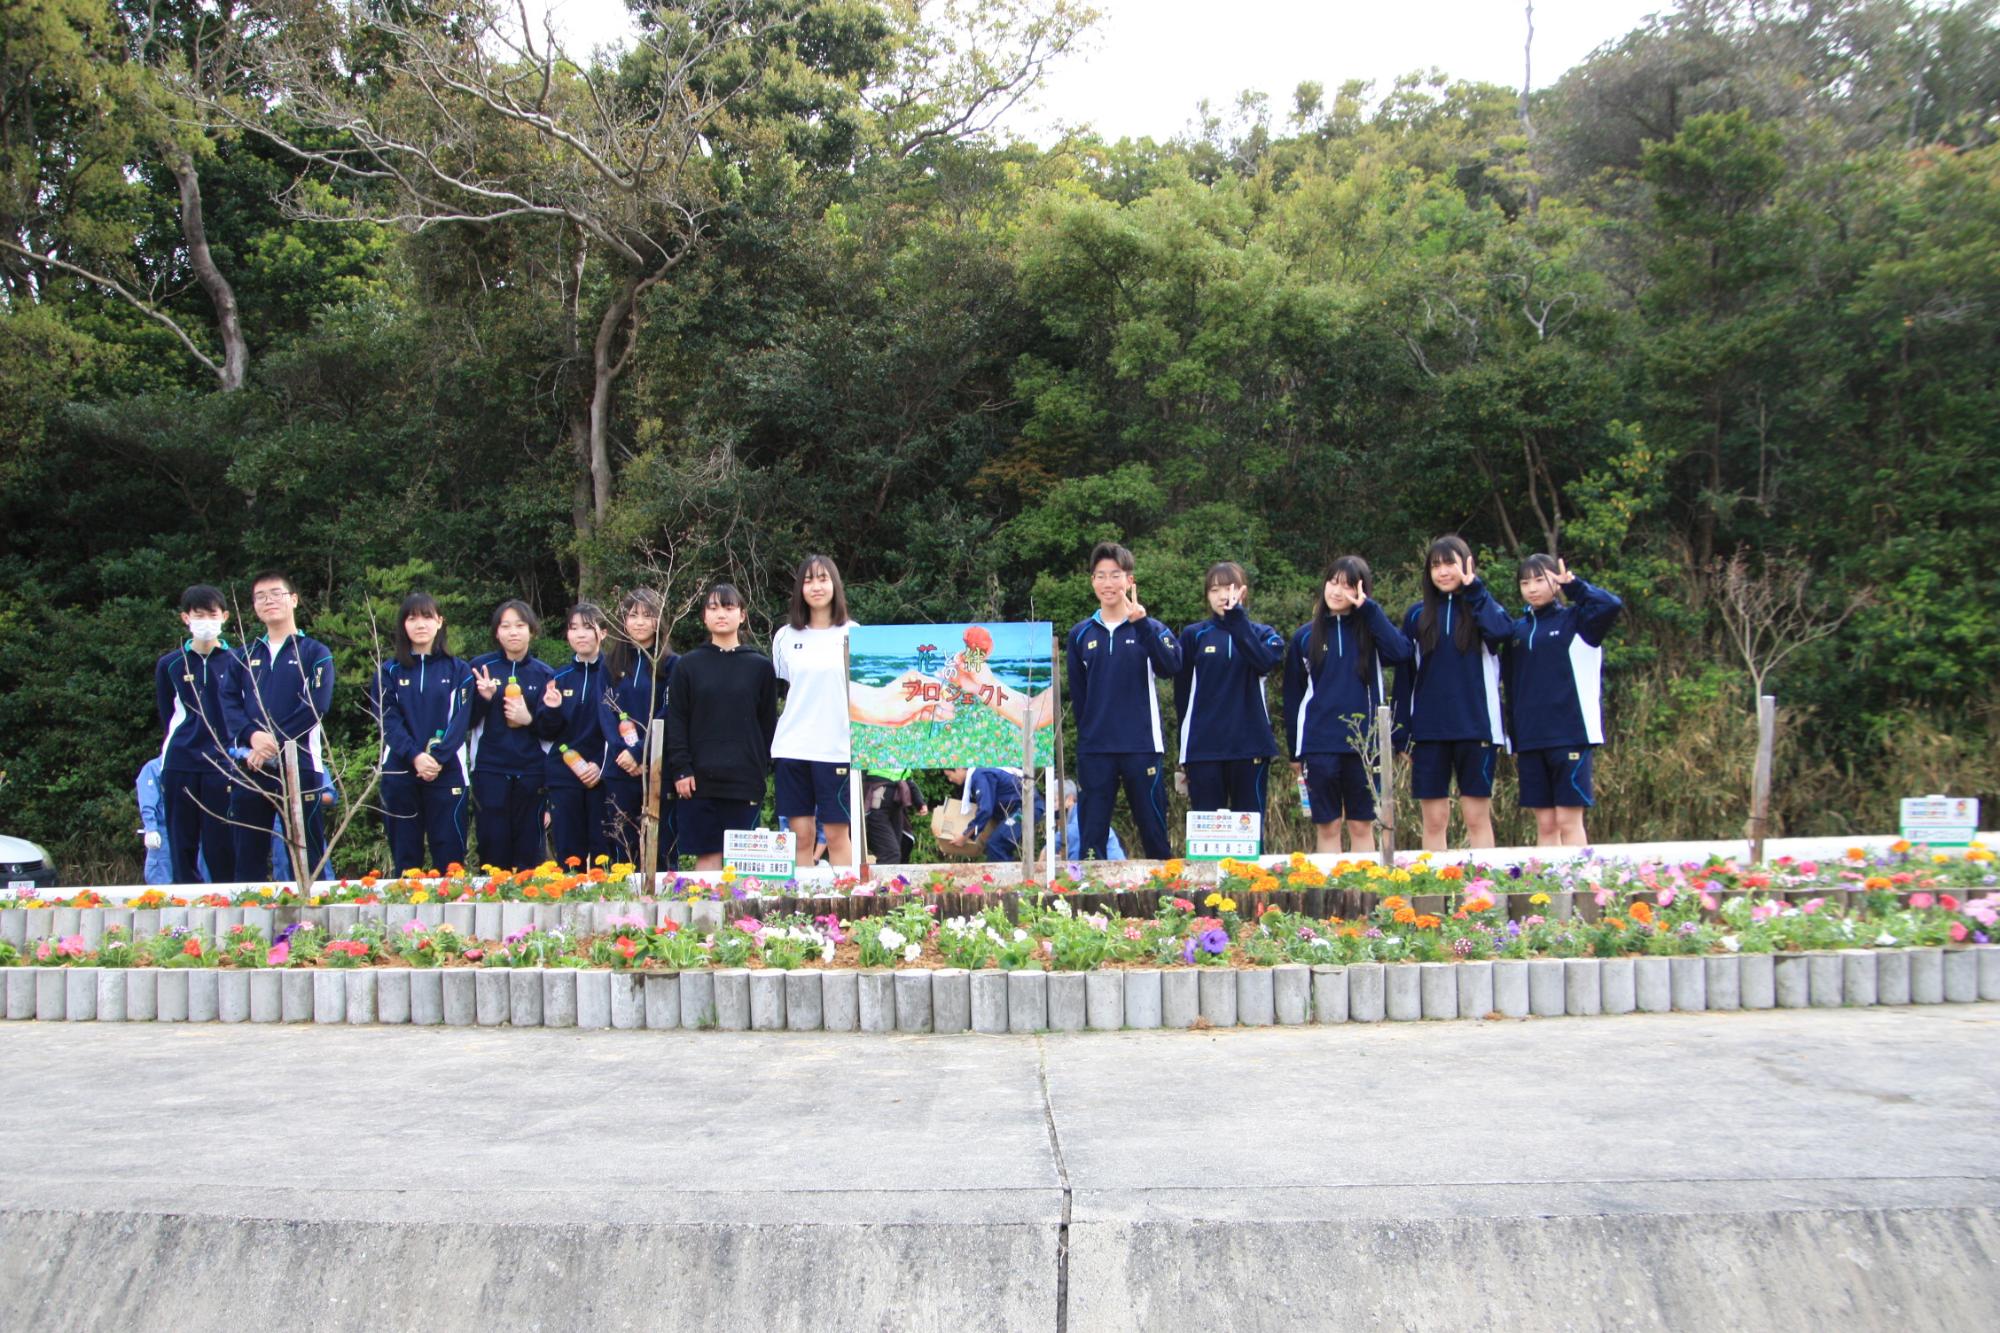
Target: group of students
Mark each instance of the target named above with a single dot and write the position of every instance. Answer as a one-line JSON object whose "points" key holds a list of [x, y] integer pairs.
{"points": [[1469, 677], [551, 760]]}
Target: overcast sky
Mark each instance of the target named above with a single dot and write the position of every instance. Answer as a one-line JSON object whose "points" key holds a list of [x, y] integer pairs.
{"points": [[1151, 61]]}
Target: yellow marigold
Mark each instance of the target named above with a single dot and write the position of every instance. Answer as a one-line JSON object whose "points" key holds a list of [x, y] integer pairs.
{"points": [[1172, 869], [1539, 899], [420, 896], [1299, 859], [1400, 876], [1227, 904], [1374, 871], [1211, 900], [1939, 858]]}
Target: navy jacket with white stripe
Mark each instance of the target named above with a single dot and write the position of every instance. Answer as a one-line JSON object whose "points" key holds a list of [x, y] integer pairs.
{"points": [[1112, 670], [1555, 670], [1219, 690], [1446, 695], [188, 688], [1323, 707]]}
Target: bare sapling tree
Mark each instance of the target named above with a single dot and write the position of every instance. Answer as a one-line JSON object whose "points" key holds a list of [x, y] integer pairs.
{"points": [[1769, 612]]}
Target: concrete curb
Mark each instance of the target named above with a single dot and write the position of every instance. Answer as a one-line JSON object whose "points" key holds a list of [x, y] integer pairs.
{"points": [[951, 1000]]}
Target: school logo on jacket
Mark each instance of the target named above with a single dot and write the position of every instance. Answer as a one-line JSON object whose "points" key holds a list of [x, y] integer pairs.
{"points": [[1209, 649], [1089, 644]]}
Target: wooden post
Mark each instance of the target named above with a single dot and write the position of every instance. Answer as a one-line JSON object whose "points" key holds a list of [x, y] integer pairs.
{"points": [[1051, 795], [293, 811], [649, 819], [1385, 804], [1028, 796], [1056, 751], [857, 809], [1760, 783]]}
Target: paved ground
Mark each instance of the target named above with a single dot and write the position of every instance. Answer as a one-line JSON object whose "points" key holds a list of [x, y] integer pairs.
{"points": [[1805, 1169]]}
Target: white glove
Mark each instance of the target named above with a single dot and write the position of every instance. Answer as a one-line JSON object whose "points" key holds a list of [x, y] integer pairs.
{"points": [[153, 841]]}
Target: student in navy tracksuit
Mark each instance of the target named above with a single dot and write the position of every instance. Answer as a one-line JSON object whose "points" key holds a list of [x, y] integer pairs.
{"points": [[196, 772], [1448, 701], [421, 697], [638, 670], [570, 724], [282, 694], [1114, 659], [1333, 685], [995, 795], [506, 753], [1554, 669], [1225, 721]]}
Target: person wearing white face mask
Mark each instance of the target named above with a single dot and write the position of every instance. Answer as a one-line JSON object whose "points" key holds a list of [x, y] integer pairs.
{"points": [[188, 684]]}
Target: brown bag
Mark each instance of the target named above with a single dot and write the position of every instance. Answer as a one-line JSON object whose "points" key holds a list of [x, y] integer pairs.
{"points": [[951, 825]]}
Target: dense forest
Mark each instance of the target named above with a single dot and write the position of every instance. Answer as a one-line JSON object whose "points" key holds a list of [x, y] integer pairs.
{"points": [[386, 297]]}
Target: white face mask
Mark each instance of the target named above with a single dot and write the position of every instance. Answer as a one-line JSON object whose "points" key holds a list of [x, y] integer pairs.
{"points": [[208, 631]]}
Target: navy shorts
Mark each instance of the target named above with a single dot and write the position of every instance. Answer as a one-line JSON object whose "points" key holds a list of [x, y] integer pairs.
{"points": [[1433, 764], [1551, 778], [704, 819], [1339, 787], [811, 787]]}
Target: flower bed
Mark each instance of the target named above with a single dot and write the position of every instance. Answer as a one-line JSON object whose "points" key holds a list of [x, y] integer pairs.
{"points": [[1582, 938]]}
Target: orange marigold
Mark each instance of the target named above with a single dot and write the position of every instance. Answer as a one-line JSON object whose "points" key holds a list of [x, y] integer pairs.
{"points": [[1426, 922], [1395, 901], [1642, 913], [1451, 872], [1405, 915]]}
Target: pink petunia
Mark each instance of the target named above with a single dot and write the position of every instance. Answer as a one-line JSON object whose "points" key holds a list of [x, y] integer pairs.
{"points": [[1922, 900]]}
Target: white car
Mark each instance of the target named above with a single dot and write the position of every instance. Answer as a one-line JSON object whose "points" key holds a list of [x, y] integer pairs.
{"points": [[25, 866]]}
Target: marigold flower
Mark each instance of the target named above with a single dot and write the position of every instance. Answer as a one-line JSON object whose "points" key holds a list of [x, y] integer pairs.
{"points": [[1539, 899], [1405, 915], [1451, 872], [1394, 901], [1642, 913]]}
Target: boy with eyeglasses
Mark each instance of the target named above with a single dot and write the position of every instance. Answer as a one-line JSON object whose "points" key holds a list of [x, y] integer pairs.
{"points": [[1116, 659], [282, 694]]}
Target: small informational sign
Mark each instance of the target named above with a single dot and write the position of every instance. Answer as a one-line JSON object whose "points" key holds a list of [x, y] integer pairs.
{"points": [[760, 853], [19, 885], [1941, 821], [1213, 835]]}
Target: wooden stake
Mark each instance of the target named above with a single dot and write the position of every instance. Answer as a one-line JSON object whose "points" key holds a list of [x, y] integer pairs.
{"points": [[294, 811], [649, 820], [1760, 782], [1385, 804]]}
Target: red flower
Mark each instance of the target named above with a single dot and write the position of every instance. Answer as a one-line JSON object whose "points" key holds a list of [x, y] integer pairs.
{"points": [[626, 947], [192, 948], [978, 640], [669, 926], [1947, 902]]}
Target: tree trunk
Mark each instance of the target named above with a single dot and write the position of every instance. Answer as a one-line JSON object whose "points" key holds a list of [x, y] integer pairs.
{"points": [[607, 363], [582, 514], [194, 230]]}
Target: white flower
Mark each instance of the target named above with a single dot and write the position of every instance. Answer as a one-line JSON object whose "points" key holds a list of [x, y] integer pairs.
{"points": [[1884, 940], [826, 953], [1062, 908], [1731, 943], [912, 951], [1020, 934], [892, 940]]}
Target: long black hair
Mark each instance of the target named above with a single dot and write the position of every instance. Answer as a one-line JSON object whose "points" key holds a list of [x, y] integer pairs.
{"points": [[418, 604], [1353, 571], [801, 614], [1464, 630], [623, 659]]}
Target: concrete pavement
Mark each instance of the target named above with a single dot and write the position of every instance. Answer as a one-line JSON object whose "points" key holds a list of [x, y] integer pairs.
{"points": [[1779, 1169]]}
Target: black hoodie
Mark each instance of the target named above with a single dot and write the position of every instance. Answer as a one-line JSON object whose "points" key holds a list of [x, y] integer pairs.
{"points": [[721, 714]]}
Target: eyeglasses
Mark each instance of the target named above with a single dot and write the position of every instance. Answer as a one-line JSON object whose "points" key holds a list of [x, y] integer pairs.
{"points": [[1107, 576], [270, 596]]}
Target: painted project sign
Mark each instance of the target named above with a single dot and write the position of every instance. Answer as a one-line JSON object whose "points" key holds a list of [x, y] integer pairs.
{"points": [[951, 696], [1213, 835], [1941, 821]]}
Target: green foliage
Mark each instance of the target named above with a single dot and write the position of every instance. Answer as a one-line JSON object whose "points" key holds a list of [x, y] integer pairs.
{"points": [[1739, 293]]}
